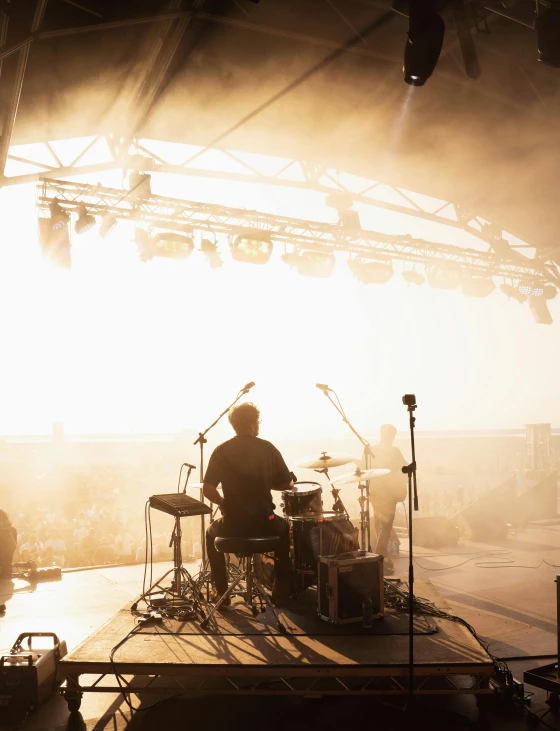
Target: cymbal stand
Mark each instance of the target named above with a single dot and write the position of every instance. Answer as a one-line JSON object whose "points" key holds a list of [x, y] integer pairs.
{"points": [[338, 505], [204, 576], [364, 507]]}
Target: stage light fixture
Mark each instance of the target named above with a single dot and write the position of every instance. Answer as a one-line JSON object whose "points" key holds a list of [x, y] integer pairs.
{"points": [[252, 248], [547, 26], [445, 275], [59, 217], [371, 272], [140, 185], [54, 237], [539, 310], [85, 220], [350, 220], [171, 245], [538, 289], [525, 289], [550, 292], [108, 223], [210, 251], [423, 46], [413, 277], [513, 292], [477, 286], [311, 263]]}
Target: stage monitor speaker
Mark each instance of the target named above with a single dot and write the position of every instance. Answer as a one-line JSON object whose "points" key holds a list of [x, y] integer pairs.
{"points": [[480, 526], [539, 502], [434, 532]]}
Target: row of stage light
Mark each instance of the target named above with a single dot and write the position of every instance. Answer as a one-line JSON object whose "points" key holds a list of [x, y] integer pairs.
{"points": [[258, 250]]}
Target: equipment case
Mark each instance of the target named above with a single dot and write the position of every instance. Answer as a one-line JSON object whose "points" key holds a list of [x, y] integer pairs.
{"points": [[347, 581]]}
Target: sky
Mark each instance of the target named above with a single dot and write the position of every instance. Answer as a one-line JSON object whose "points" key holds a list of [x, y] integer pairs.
{"points": [[121, 346]]}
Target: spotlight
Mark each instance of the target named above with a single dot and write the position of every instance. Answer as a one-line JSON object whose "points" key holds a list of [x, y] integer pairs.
{"points": [[550, 292], [171, 245], [311, 263], [525, 289], [539, 310], [85, 220], [478, 286], [370, 272], [349, 220], [210, 251], [423, 46], [413, 277], [59, 217], [140, 185], [54, 237], [445, 275], [547, 26], [254, 248], [513, 292], [108, 223]]}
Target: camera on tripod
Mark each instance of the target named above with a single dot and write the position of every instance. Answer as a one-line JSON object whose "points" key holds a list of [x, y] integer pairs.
{"points": [[409, 399]]}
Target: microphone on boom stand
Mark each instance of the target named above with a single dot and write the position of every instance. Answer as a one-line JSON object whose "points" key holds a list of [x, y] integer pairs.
{"points": [[248, 386], [324, 388]]}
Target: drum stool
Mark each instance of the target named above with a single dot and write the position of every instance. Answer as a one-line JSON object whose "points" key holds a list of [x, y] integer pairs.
{"points": [[246, 548]]}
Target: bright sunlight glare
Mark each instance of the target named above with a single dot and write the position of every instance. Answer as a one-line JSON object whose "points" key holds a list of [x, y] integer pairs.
{"points": [[120, 346]]}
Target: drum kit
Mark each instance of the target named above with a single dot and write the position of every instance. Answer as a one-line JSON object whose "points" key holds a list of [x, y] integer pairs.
{"points": [[317, 532]]}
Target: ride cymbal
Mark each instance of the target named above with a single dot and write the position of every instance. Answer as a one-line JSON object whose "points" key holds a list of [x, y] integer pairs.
{"points": [[359, 475]]}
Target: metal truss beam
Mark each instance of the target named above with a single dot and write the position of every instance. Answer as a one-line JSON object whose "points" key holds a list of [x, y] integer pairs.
{"points": [[17, 87], [308, 176], [177, 214]]}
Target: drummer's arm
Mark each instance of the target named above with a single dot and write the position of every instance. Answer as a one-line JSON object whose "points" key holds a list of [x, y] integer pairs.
{"points": [[211, 493]]}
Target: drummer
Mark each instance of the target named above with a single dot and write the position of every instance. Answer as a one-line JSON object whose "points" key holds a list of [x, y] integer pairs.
{"points": [[248, 468]]}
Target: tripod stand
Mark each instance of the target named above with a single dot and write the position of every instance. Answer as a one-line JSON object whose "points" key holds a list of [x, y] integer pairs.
{"points": [[203, 576], [183, 595], [409, 400]]}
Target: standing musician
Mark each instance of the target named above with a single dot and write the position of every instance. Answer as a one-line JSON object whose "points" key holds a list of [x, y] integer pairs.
{"points": [[385, 492], [248, 468]]}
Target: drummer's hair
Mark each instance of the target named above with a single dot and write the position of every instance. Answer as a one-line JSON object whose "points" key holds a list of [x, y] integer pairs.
{"points": [[241, 417]]}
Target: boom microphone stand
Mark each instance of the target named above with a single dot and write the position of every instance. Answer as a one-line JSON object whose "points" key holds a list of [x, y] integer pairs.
{"points": [[409, 400], [365, 532], [202, 441]]}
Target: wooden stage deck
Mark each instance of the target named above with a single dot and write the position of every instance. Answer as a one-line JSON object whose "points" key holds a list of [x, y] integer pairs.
{"points": [[244, 655]]}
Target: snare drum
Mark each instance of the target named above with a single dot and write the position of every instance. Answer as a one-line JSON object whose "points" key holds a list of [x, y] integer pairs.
{"points": [[305, 498], [320, 534]]}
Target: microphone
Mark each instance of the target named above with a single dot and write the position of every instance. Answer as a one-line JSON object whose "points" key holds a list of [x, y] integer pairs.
{"points": [[323, 387], [192, 466], [248, 386]]}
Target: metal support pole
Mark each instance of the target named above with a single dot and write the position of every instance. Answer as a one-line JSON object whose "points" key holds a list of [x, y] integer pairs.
{"points": [[8, 126]]}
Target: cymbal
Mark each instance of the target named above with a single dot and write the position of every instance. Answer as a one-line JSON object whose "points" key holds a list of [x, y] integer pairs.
{"points": [[326, 461], [359, 475]]}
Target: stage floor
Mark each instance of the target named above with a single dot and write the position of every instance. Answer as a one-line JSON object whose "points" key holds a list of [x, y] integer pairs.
{"points": [[514, 609]]}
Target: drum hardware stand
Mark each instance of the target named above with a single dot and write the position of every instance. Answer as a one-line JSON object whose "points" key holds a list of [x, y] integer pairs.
{"points": [[364, 507], [182, 582], [338, 505], [409, 400], [204, 575]]}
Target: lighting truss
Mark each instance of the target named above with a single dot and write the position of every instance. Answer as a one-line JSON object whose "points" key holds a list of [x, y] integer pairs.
{"points": [[301, 235]]}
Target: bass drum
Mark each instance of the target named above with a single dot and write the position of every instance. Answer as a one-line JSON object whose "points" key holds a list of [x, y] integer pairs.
{"points": [[320, 534]]}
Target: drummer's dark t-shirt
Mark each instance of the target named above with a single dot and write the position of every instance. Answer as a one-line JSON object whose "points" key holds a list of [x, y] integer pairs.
{"points": [[248, 468]]}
